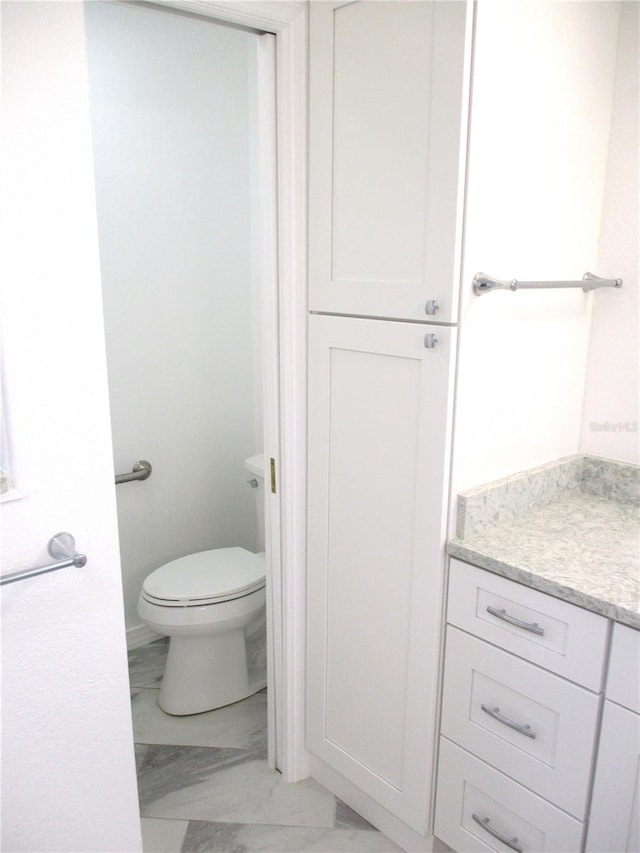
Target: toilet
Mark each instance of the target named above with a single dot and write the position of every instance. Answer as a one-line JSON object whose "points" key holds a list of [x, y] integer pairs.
{"points": [[211, 605]]}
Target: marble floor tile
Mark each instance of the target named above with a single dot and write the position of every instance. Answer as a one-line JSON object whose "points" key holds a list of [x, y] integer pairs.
{"points": [[228, 785], [140, 750], [163, 836], [146, 663], [204, 782], [238, 838], [241, 726], [346, 818]]}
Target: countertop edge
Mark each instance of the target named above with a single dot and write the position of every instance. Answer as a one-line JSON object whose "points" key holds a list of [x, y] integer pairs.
{"points": [[457, 548]]}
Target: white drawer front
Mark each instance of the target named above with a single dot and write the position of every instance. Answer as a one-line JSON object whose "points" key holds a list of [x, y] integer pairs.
{"points": [[623, 677], [551, 633], [468, 787], [489, 692]]}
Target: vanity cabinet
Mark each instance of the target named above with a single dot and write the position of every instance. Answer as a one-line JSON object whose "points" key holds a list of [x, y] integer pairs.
{"points": [[535, 695], [615, 813], [521, 701]]}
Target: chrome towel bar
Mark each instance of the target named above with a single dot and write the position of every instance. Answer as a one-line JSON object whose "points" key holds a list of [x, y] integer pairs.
{"points": [[141, 470], [483, 283], [62, 547]]}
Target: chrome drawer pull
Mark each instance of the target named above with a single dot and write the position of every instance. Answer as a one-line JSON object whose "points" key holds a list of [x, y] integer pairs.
{"points": [[484, 823], [526, 626], [523, 728]]}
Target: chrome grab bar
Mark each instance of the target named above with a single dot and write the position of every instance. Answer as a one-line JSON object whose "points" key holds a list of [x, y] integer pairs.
{"points": [[62, 547], [141, 470], [483, 283]]}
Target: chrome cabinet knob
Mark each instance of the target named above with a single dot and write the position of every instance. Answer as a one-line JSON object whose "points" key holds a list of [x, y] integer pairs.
{"points": [[430, 340], [432, 306]]}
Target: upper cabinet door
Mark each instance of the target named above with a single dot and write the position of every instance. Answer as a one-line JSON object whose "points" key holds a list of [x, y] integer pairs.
{"points": [[388, 113]]}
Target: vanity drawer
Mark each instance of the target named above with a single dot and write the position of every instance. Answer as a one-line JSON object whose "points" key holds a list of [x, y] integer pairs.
{"points": [[534, 726], [549, 632], [474, 801], [623, 678]]}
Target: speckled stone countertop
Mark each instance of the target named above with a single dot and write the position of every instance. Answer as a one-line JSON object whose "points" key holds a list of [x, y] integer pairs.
{"points": [[570, 529]]}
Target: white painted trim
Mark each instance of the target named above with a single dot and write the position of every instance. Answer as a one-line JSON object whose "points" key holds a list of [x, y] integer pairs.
{"points": [[292, 63], [140, 636], [288, 19], [271, 16], [268, 285]]}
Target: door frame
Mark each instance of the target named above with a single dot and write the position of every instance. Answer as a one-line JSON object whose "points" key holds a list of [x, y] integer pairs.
{"points": [[288, 21]]}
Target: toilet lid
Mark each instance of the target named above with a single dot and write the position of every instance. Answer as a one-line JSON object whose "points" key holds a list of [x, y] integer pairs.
{"points": [[206, 577]]}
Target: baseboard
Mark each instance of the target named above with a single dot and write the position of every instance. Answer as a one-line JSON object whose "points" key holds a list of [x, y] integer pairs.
{"points": [[140, 636], [372, 811]]}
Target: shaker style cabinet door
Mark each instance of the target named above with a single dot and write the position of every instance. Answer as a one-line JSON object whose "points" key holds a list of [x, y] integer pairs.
{"points": [[615, 808], [614, 824], [388, 104], [379, 415]]}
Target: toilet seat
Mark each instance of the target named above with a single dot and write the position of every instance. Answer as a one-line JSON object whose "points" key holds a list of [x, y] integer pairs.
{"points": [[207, 577]]}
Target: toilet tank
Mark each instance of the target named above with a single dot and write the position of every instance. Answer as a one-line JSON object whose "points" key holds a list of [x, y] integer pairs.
{"points": [[256, 467]]}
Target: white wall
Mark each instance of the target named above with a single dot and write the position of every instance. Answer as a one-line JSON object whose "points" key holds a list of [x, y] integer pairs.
{"points": [[611, 416], [541, 104], [171, 102], [68, 771]]}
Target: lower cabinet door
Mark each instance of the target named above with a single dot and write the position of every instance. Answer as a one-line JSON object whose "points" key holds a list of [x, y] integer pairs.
{"points": [[479, 809], [614, 824], [623, 674], [379, 427]]}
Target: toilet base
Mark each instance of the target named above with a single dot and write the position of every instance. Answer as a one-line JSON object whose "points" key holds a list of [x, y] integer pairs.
{"points": [[205, 673]]}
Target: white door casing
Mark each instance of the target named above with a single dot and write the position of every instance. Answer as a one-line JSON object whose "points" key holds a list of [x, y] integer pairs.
{"points": [[268, 286], [286, 439]]}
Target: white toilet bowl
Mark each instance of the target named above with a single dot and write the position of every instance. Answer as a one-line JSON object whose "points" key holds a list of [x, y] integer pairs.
{"points": [[207, 604]]}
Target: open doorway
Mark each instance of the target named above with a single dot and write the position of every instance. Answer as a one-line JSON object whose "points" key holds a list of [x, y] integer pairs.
{"points": [[184, 147]]}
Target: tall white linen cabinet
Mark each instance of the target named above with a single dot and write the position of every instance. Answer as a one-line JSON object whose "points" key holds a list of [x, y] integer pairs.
{"points": [[388, 111]]}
